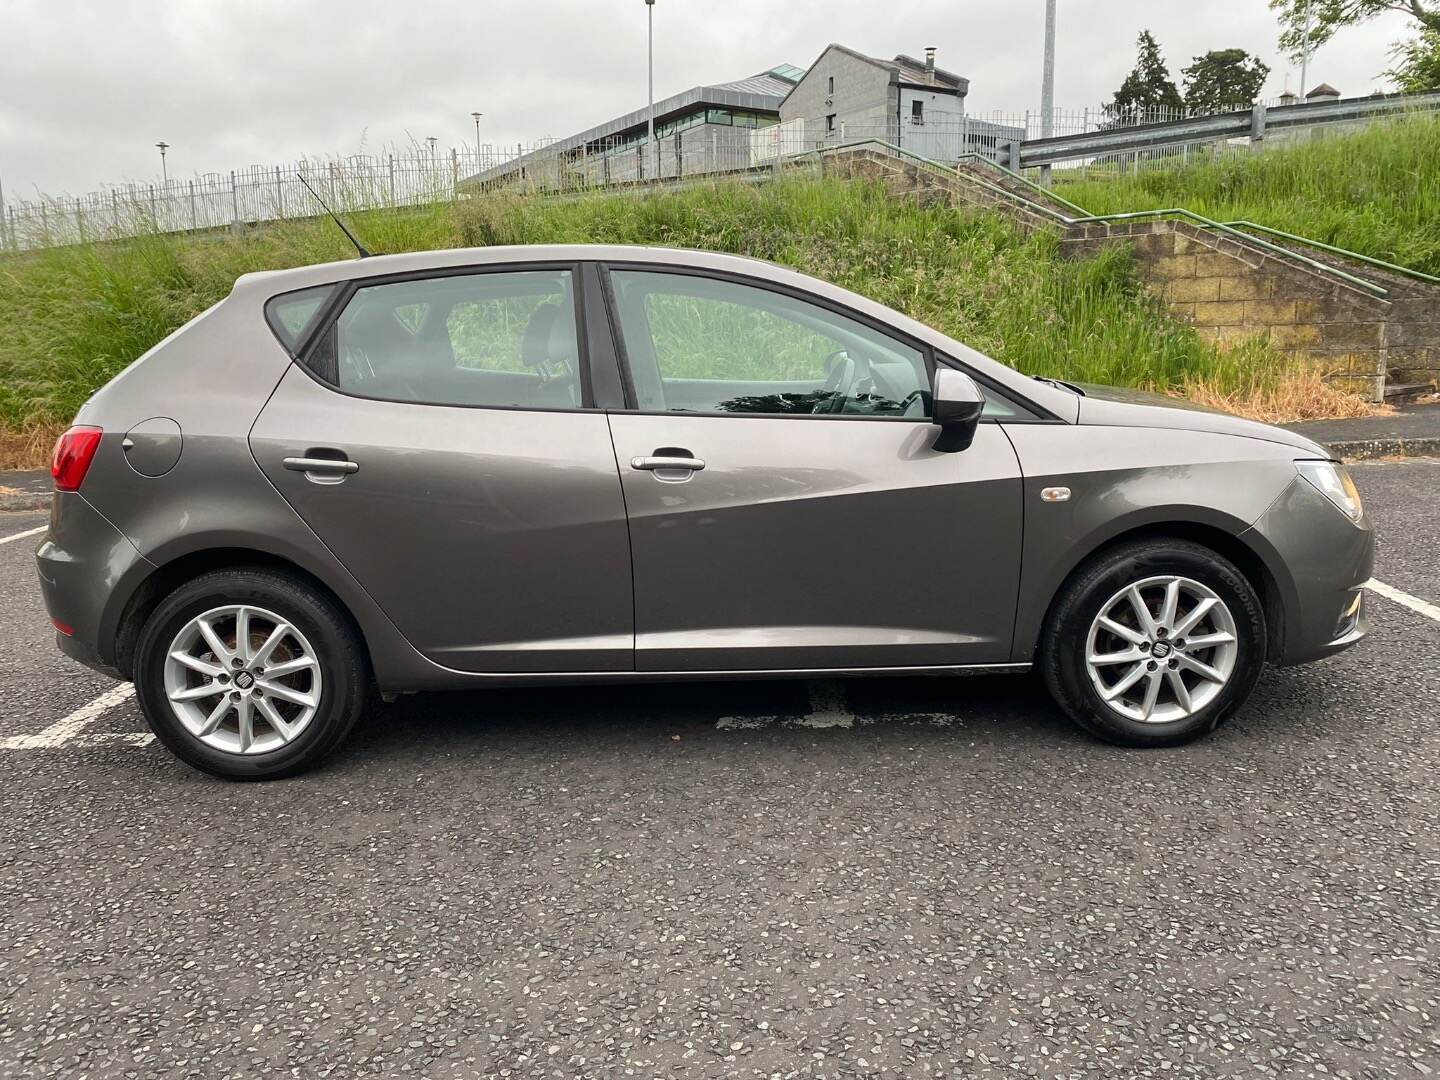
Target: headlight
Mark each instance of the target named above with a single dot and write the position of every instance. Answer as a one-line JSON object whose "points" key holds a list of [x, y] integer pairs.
{"points": [[1334, 483]]}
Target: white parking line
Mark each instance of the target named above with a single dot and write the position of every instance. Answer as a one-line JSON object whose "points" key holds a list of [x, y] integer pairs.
{"points": [[67, 730], [1404, 599], [22, 535]]}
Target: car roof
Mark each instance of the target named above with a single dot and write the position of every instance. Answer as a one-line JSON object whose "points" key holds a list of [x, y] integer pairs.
{"points": [[272, 282], [259, 287]]}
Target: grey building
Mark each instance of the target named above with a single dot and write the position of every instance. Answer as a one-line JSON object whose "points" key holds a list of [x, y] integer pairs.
{"points": [[699, 130], [846, 96]]}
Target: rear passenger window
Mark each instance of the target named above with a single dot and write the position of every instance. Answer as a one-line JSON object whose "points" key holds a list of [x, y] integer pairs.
{"points": [[499, 339]]}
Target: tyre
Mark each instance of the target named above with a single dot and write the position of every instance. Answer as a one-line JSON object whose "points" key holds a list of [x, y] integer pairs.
{"points": [[250, 674], [1154, 643]]}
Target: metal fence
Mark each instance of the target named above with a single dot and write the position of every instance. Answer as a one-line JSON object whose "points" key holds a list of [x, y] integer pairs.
{"points": [[1162, 140], [252, 194], [1082, 139]]}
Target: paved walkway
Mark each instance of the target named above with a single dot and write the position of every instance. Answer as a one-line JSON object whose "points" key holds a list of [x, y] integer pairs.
{"points": [[26, 489], [1412, 431]]}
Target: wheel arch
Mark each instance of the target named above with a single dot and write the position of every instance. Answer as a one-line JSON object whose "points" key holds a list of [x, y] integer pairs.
{"points": [[1247, 549], [171, 574]]}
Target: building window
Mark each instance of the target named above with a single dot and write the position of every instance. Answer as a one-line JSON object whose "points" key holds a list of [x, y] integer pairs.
{"points": [[830, 122], [917, 111], [830, 86]]}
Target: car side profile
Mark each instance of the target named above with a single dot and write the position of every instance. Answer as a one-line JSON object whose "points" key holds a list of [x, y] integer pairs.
{"points": [[465, 468]]}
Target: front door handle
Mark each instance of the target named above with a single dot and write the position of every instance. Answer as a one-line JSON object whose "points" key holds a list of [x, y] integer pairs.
{"points": [[655, 464], [321, 465]]}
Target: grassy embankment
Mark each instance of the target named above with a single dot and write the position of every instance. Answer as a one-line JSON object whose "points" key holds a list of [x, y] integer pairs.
{"points": [[1375, 191], [70, 318]]}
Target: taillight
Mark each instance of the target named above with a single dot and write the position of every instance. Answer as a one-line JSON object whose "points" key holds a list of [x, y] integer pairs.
{"points": [[73, 453]]}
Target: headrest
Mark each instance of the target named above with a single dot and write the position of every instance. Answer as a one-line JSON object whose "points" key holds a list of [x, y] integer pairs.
{"points": [[535, 346]]}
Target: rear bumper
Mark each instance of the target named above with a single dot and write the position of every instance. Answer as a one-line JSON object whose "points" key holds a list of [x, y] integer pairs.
{"points": [[82, 563], [1327, 559]]}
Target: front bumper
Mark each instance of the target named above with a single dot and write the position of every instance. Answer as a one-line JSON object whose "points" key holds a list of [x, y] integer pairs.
{"points": [[82, 562], [1324, 560]]}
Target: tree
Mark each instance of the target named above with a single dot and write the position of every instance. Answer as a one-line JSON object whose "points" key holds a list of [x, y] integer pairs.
{"points": [[1223, 80], [1417, 64], [1328, 16], [1147, 87]]}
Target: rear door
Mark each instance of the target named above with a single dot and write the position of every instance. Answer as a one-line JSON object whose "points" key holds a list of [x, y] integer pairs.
{"points": [[786, 508], [440, 438]]}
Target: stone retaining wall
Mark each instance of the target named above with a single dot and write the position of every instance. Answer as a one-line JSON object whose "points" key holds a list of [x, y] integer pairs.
{"points": [[1231, 291]]}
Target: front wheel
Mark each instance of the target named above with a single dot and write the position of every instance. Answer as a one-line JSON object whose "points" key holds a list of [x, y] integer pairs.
{"points": [[1154, 643], [249, 674]]}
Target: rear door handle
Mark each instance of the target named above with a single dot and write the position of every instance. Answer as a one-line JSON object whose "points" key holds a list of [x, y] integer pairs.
{"points": [[320, 465], [654, 464]]}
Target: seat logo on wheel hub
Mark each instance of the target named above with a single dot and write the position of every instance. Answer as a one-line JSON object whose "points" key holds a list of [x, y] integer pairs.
{"points": [[244, 680], [1159, 652]]}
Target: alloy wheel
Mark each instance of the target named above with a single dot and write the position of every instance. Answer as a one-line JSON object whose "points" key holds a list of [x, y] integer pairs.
{"points": [[242, 679], [1161, 649]]}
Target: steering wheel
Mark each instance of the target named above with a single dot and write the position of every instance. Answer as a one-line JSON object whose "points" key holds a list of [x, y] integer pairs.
{"points": [[364, 380], [921, 396], [841, 367]]}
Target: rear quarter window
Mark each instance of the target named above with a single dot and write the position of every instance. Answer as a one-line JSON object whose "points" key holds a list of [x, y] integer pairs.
{"points": [[291, 315]]}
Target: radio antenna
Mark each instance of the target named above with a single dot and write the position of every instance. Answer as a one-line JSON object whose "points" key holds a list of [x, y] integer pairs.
{"points": [[334, 217]]}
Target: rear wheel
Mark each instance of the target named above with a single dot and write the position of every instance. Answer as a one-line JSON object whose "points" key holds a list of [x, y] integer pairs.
{"points": [[1154, 643], [249, 674]]}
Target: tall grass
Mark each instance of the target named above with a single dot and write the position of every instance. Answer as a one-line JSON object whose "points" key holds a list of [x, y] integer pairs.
{"points": [[72, 317], [972, 276], [1375, 191]]}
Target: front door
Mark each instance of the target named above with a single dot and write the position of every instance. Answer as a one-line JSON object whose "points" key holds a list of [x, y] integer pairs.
{"points": [[786, 509], [438, 441]]}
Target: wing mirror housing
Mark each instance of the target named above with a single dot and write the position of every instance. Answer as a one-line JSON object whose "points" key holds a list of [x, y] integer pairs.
{"points": [[958, 405]]}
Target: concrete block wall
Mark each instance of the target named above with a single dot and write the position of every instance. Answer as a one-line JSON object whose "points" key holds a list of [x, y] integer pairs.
{"points": [[903, 179], [1231, 291]]}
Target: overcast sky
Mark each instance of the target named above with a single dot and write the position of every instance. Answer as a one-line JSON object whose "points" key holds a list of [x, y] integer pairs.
{"points": [[87, 89]]}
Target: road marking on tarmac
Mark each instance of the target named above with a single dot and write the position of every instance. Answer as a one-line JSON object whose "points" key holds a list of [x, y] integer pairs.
{"points": [[1404, 599], [69, 729], [22, 535]]}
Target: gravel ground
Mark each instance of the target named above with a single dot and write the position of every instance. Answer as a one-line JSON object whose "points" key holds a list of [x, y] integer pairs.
{"points": [[917, 878]]}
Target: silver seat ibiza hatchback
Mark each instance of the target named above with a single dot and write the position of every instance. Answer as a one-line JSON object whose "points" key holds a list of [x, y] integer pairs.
{"points": [[566, 464]]}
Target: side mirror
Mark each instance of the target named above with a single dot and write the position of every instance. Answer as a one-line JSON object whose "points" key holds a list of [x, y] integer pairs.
{"points": [[958, 405]]}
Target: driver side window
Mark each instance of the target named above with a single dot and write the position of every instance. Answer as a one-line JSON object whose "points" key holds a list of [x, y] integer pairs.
{"points": [[699, 344]]}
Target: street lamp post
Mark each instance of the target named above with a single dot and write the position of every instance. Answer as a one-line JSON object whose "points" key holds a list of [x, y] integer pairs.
{"points": [[1305, 52], [1047, 85], [162, 145], [476, 117], [650, 17]]}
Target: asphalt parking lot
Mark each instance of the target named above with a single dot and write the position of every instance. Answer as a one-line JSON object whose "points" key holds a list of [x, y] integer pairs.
{"points": [[888, 877]]}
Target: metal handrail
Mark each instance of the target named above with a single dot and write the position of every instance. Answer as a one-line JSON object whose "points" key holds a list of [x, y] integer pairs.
{"points": [[1207, 223], [1098, 219], [1370, 260], [1419, 275]]}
